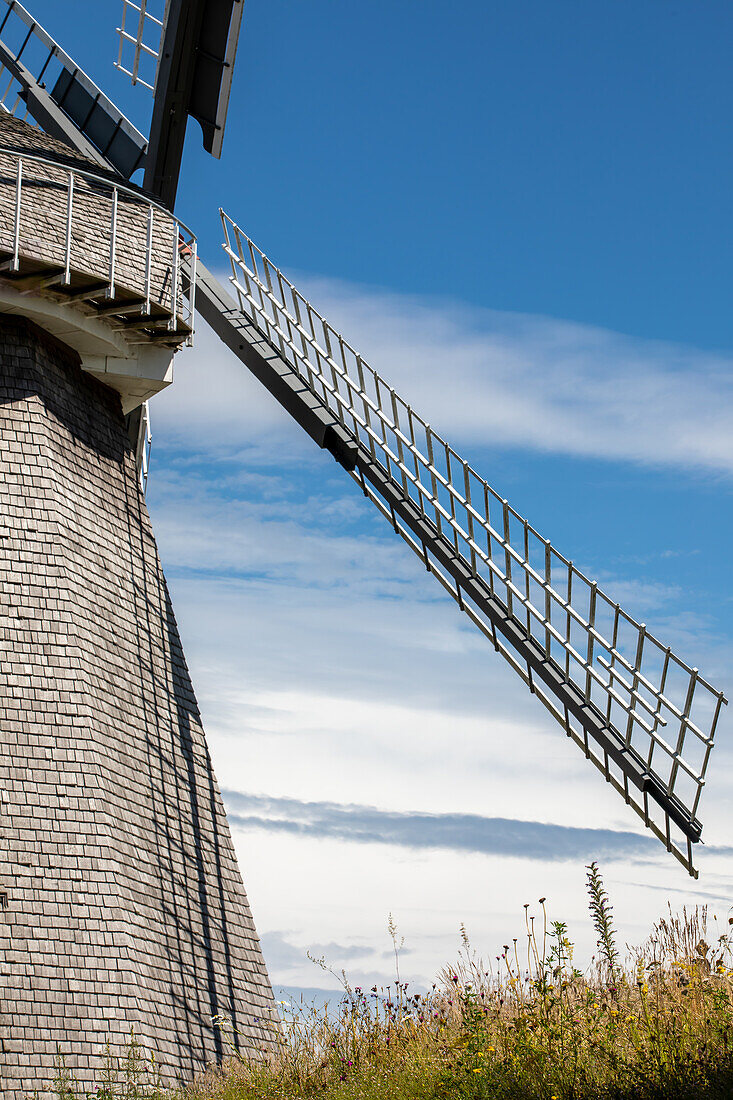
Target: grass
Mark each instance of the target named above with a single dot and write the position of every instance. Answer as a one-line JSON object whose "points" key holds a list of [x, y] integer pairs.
{"points": [[529, 1026]]}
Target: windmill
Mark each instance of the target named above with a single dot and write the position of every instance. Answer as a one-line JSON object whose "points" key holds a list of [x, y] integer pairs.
{"points": [[636, 710]]}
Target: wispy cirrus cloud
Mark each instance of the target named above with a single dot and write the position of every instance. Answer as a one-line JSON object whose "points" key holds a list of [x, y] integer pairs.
{"points": [[335, 675], [486, 378]]}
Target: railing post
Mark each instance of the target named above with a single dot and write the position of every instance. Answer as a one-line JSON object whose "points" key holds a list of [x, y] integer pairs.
{"points": [[149, 259], [112, 246], [192, 288], [16, 236], [69, 216], [173, 324]]}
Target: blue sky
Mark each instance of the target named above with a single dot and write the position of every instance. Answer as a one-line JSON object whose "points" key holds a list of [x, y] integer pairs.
{"points": [[566, 159], [520, 214]]}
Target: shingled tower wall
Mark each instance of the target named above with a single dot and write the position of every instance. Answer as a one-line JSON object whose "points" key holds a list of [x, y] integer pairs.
{"points": [[121, 903]]}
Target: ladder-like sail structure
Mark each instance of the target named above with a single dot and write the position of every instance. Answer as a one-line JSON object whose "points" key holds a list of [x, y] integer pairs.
{"points": [[184, 52], [40, 80], [141, 35], [643, 716]]}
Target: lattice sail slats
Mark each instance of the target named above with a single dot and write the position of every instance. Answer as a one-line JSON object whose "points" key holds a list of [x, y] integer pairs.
{"points": [[141, 34], [12, 97], [645, 717], [38, 78]]}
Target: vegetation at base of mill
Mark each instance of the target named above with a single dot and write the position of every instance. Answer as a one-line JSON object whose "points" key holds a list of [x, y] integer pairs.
{"points": [[530, 1026]]}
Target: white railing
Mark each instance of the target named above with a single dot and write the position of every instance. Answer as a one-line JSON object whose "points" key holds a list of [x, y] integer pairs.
{"points": [[663, 708], [163, 240]]}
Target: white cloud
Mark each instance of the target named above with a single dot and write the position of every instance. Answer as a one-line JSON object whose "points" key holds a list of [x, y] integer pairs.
{"points": [[482, 377], [312, 891], [330, 667]]}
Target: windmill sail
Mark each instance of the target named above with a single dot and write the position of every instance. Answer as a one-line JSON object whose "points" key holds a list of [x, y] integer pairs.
{"points": [[193, 78], [142, 31], [39, 79], [184, 51], [141, 36], [643, 716]]}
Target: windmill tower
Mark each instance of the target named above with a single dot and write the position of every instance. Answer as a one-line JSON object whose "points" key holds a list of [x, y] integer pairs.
{"points": [[120, 901]]}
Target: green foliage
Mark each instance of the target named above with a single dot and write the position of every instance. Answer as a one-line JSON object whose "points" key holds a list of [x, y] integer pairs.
{"points": [[133, 1076], [600, 911], [63, 1083], [530, 1026]]}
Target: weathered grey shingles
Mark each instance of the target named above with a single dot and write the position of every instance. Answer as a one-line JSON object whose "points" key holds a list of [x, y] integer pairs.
{"points": [[125, 904]]}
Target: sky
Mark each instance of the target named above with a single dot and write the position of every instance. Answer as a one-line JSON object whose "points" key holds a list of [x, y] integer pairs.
{"points": [[520, 215]]}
